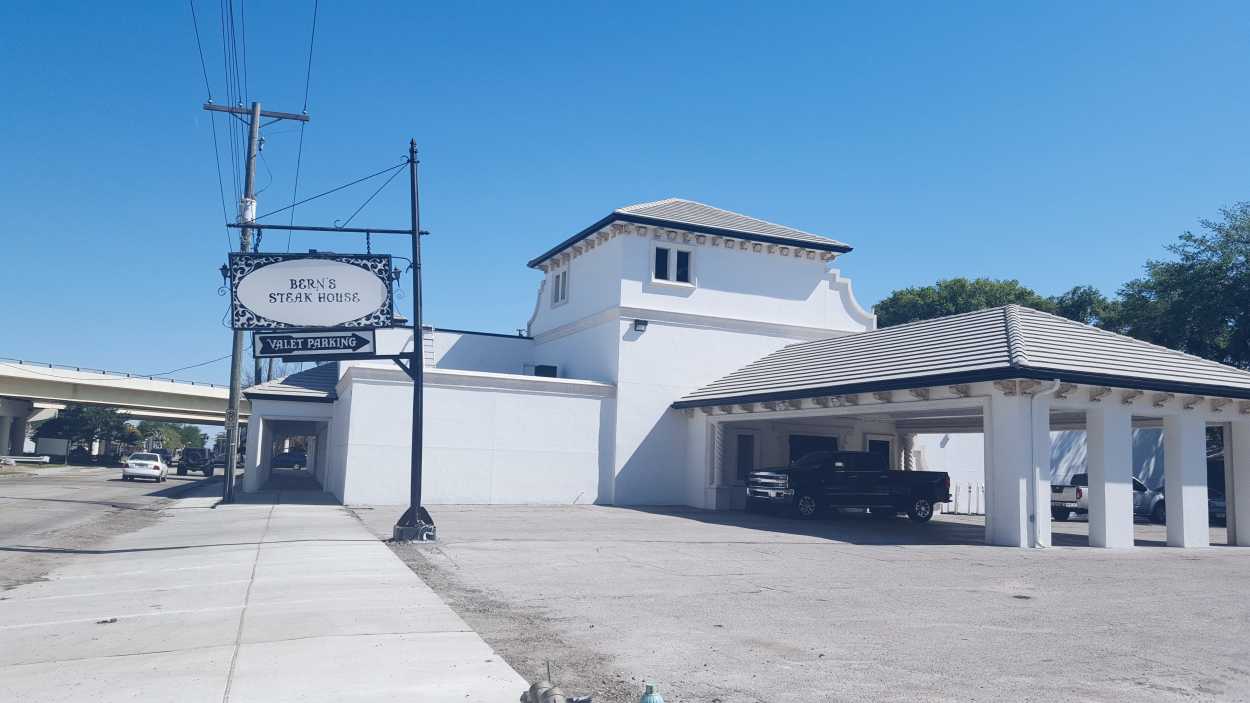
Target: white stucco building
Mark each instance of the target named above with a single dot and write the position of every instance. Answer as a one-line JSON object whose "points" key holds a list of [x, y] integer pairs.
{"points": [[675, 346]]}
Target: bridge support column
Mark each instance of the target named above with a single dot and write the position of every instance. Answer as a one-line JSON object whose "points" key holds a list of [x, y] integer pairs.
{"points": [[17, 438], [6, 423]]}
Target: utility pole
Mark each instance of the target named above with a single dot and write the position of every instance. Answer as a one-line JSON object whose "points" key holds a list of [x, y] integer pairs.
{"points": [[416, 523], [247, 213]]}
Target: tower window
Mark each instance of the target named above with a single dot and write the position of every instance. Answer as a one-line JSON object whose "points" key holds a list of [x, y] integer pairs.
{"points": [[560, 287], [661, 264], [672, 265]]}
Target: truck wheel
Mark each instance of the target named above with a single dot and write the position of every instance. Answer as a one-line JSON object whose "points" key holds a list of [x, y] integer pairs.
{"points": [[182, 471], [806, 506], [208, 472], [921, 510], [1159, 514], [1060, 514]]}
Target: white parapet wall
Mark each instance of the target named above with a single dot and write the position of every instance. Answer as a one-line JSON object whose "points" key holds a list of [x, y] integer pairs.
{"points": [[489, 437]]}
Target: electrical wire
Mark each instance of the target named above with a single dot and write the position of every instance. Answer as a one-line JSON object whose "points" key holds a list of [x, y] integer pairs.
{"points": [[369, 199], [312, 37], [192, 366], [221, 188], [198, 45], [299, 154], [334, 190], [230, 100], [265, 162], [243, 39]]}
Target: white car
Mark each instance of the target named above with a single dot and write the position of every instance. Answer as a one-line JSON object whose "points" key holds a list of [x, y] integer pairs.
{"points": [[144, 465]]}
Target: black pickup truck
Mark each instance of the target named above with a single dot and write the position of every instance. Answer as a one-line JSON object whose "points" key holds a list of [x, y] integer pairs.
{"points": [[826, 480]]}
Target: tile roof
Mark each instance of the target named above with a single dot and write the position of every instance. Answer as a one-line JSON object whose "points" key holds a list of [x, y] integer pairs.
{"points": [[698, 217], [996, 343], [315, 384]]}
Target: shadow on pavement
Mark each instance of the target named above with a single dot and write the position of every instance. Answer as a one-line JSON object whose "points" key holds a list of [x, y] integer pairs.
{"points": [[852, 528], [860, 528], [288, 487]]}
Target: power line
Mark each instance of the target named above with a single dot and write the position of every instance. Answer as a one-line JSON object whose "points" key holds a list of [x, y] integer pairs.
{"points": [[221, 189], [230, 100], [312, 37], [299, 154], [243, 37], [334, 190], [191, 367], [198, 45]]}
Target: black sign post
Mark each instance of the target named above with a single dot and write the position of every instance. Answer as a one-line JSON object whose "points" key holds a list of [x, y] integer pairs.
{"points": [[279, 305]]}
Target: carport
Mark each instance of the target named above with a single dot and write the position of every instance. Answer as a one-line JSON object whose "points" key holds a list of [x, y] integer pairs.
{"points": [[1012, 373]]}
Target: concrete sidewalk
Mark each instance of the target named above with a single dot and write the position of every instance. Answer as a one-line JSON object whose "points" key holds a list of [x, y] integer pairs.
{"points": [[258, 602]]}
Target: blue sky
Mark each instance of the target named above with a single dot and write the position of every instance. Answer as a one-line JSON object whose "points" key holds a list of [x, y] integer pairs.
{"points": [[1056, 143]]}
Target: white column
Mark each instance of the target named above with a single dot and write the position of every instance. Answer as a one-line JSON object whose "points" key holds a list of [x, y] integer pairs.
{"points": [[716, 454], [1237, 492], [716, 465], [908, 442], [1039, 421], [1109, 457], [252, 479], [1185, 478], [1008, 469], [5, 423]]}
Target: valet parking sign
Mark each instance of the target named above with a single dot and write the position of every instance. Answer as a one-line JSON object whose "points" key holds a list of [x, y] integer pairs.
{"points": [[303, 293]]}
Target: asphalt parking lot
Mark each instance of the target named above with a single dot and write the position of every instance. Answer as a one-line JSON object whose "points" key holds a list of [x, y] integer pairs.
{"points": [[737, 607]]}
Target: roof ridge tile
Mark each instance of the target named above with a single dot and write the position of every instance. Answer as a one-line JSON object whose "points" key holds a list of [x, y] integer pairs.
{"points": [[1017, 349]]}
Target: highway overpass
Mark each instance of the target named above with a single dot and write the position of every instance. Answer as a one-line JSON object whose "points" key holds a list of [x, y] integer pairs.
{"points": [[48, 386]]}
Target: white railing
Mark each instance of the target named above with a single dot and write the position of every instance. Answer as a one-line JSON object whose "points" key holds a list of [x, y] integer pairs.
{"points": [[967, 498]]}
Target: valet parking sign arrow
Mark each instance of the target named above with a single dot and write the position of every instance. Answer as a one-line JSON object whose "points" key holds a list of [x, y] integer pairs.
{"points": [[314, 344]]}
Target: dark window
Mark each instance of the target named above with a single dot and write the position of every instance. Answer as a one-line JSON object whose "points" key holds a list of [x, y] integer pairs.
{"points": [[802, 444], [880, 450], [683, 267], [746, 455], [547, 370], [661, 264]]}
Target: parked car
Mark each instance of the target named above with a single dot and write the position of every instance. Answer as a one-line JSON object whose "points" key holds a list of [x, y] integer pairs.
{"points": [[289, 460], [1150, 503], [166, 456], [830, 480], [1071, 499], [79, 455], [196, 459], [145, 465]]}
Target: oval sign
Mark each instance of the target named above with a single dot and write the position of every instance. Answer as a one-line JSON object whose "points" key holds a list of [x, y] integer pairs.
{"points": [[311, 292]]}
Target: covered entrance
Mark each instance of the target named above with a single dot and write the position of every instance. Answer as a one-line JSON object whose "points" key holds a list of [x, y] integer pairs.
{"points": [[288, 438], [1011, 373]]}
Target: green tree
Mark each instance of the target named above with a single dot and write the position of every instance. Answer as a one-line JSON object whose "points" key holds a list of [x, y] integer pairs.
{"points": [[84, 423], [1200, 301], [1086, 304], [191, 436], [952, 296]]}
